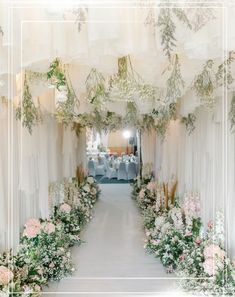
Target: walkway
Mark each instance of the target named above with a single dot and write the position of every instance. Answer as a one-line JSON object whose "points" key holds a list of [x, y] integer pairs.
{"points": [[113, 259]]}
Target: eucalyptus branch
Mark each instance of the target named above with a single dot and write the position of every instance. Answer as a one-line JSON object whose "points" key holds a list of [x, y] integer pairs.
{"points": [[175, 83], [167, 29]]}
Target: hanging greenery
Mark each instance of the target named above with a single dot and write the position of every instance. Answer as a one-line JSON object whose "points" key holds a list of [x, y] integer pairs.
{"points": [[131, 117], [182, 16], [167, 30], [96, 89], [224, 75], [175, 83], [81, 14], [163, 115], [27, 112], [56, 74], [232, 115], [204, 85], [189, 122]]}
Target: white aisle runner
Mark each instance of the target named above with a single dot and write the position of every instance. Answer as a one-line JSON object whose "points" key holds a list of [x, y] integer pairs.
{"points": [[113, 259]]}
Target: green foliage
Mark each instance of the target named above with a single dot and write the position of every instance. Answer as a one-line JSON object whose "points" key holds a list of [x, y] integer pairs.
{"points": [[232, 114], [96, 90], [224, 75], [56, 74], [181, 15], [175, 83], [27, 112], [204, 85], [189, 122], [167, 30]]}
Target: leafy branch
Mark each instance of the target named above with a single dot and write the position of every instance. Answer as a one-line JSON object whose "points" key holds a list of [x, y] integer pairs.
{"points": [[56, 74], [189, 122], [175, 83], [204, 84], [224, 75], [181, 15], [27, 112], [167, 29], [95, 86]]}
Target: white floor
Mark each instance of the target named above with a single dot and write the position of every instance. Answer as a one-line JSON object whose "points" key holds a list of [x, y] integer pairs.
{"points": [[112, 261]]}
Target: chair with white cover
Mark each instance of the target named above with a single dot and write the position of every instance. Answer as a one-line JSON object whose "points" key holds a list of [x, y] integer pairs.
{"points": [[131, 171], [100, 170], [91, 168], [111, 172], [122, 174]]}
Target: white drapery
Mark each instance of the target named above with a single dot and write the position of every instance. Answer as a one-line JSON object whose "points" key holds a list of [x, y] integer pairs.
{"points": [[49, 154], [198, 160]]}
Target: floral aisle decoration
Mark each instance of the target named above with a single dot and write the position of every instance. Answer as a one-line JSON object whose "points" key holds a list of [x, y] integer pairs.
{"points": [[43, 253], [176, 236]]}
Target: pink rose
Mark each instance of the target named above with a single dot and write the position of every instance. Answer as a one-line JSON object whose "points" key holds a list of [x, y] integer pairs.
{"points": [[49, 228], [6, 275], [210, 267], [65, 208], [51, 265], [33, 223], [211, 251], [188, 233], [31, 231]]}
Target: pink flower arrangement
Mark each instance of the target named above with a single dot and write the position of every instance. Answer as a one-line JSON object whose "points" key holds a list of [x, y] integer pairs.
{"points": [[142, 194], [151, 186], [192, 206], [49, 228], [212, 251], [209, 266], [32, 228], [6, 275], [65, 208]]}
